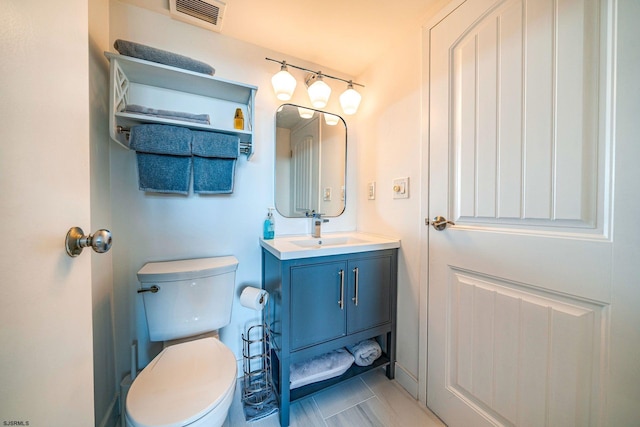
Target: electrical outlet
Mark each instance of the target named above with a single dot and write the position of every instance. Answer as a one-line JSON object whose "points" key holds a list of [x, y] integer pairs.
{"points": [[401, 188], [372, 191]]}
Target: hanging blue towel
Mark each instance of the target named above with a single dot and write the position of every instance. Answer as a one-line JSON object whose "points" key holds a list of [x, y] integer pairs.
{"points": [[213, 144], [160, 56], [214, 162], [164, 159], [158, 173], [161, 139]]}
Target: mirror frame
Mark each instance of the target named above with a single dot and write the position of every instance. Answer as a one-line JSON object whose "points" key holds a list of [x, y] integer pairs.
{"points": [[275, 164]]}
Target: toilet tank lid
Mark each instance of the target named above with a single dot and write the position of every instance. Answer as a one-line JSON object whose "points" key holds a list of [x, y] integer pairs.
{"points": [[168, 271]]}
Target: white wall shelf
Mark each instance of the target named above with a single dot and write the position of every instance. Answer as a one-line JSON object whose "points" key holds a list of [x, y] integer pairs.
{"points": [[153, 85]]}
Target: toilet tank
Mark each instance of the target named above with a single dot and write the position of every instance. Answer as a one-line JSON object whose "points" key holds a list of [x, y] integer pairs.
{"points": [[195, 296]]}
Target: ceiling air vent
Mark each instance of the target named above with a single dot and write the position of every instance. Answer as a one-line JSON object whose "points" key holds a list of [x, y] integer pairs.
{"points": [[204, 13]]}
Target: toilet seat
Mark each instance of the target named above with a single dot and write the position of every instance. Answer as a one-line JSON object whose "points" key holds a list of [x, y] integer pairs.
{"points": [[183, 384]]}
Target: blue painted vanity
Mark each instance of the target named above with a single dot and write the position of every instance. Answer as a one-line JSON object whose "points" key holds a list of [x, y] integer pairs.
{"points": [[326, 297]]}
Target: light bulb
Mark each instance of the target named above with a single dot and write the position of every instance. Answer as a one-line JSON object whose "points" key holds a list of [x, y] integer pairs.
{"points": [[283, 84], [350, 100], [319, 92]]}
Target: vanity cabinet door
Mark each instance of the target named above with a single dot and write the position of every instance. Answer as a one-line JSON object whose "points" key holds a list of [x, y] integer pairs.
{"points": [[318, 303], [369, 282]]}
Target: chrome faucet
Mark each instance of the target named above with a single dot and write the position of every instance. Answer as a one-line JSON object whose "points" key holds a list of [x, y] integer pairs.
{"points": [[317, 220]]}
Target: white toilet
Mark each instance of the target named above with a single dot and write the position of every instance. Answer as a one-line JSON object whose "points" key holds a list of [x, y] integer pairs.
{"points": [[191, 383]]}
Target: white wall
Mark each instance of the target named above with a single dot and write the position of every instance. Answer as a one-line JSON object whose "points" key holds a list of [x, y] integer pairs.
{"points": [[389, 125], [149, 227]]}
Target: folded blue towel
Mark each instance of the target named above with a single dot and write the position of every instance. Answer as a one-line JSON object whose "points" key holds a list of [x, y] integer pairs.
{"points": [[161, 139], [161, 173], [213, 144], [153, 54], [167, 114]]}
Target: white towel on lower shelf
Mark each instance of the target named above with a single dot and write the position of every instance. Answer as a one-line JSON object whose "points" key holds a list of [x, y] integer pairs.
{"points": [[320, 368], [365, 352]]}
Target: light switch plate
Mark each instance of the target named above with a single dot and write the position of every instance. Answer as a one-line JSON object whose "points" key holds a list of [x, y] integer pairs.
{"points": [[401, 188], [372, 191], [327, 194]]}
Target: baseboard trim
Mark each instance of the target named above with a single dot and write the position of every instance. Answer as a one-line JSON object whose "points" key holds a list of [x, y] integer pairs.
{"points": [[407, 381]]}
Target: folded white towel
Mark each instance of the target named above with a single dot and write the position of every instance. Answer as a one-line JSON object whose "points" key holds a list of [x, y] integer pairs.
{"points": [[320, 368], [365, 352]]}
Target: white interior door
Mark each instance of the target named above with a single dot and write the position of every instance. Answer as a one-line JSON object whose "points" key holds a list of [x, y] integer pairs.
{"points": [[520, 286], [46, 345]]}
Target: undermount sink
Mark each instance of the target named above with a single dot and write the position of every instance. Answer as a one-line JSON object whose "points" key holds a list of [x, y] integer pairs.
{"points": [[293, 247]]}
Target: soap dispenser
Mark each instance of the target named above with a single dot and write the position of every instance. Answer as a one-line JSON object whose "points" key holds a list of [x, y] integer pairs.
{"points": [[268, 229]]}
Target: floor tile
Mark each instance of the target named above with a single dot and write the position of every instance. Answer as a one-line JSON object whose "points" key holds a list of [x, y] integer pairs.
{"points": [[370, 400], [342, 396], [305, 413], [365, 414], [404, 409]]}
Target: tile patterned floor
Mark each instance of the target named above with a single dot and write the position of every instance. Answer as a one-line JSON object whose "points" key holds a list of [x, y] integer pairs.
{"points": [[368, 400]]}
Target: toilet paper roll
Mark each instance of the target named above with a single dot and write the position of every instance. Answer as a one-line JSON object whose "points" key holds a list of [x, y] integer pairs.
{"points": [[254, 298]]}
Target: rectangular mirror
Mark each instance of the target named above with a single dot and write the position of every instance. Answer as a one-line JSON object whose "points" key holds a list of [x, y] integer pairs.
{"points": [[311, 159]]}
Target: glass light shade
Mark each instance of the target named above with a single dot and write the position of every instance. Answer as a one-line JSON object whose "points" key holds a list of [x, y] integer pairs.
{"points": [[350, 100], [331, 119], [319, 93], [283, 84], [305, 113]]}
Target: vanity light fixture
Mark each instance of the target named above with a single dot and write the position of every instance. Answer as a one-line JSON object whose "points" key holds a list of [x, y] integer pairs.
{"points": [[331, 119], [284, 84]]}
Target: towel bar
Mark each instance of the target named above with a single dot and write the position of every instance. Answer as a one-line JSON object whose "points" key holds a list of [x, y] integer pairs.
{"points": [[245, 147]]}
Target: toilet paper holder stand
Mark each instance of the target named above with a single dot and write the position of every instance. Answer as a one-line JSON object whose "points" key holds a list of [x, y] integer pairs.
{"points": [[256, 362]]}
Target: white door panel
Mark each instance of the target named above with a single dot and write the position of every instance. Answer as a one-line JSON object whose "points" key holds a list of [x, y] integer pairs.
{"points": [[524, 356], [46, 341], [520, 287]]}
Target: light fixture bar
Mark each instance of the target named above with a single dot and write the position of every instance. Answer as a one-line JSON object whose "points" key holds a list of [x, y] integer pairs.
{"points": [[314, 72]]}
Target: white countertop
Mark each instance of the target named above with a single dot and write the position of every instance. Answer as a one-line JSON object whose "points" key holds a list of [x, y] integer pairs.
{"points": [[305, 246]]}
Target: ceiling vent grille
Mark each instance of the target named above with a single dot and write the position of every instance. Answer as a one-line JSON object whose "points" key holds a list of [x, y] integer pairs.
{"points": [[204, 13]]}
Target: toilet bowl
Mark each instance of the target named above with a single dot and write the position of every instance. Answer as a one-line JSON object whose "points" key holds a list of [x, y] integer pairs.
{"points": [[187, 384], [190, 383]]}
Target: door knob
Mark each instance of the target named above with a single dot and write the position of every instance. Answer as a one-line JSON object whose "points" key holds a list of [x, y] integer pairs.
{"points": [[100, 241], [440, 223]]}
